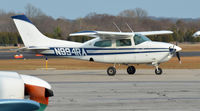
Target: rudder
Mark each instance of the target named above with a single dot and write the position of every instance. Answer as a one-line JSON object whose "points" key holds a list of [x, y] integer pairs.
{"points": [[29, 33]]}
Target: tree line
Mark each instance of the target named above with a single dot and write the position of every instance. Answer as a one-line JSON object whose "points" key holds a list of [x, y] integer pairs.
{"points": [[60, 28]]}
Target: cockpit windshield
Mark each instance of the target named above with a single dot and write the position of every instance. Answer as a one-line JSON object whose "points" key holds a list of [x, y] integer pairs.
{"points": [[138, 39]]}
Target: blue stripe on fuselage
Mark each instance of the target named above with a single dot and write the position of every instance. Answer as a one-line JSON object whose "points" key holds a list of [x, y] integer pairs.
{"points": [[122, 48], [115, 53], [64, 51]]}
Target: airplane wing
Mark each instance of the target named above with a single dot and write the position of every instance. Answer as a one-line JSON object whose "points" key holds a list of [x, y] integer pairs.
{"points": [[84, 33], [105, 34], [18, 105], [162, 32]]}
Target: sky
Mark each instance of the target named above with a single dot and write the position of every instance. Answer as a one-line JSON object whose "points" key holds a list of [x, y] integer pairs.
{"points": [[73, 9]]}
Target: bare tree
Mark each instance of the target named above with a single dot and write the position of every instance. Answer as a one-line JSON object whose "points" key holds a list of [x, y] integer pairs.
{"points": [[32, 11], [141, 12], [2, 12], [128, 13]]}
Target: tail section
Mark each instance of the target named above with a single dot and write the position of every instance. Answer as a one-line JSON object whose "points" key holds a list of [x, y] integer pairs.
{"points": [[31, 36]]}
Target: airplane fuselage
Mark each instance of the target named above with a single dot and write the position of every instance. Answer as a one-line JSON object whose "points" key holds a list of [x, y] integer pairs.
{"points": [[144, 53]]}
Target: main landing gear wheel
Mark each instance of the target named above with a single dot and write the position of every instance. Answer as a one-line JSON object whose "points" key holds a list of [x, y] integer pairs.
{"points": [[131, 70], [111, 71], [158, 71]]}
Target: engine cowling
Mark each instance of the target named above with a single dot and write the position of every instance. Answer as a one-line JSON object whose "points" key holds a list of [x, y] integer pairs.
{"points": [[23, 90]]}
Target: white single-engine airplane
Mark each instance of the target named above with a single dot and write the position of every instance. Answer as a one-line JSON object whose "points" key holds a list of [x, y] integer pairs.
{"points": [[107, 47], [196, 34]]}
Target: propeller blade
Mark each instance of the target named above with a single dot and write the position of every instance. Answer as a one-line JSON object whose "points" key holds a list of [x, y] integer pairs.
{"points": [[178, 56]]}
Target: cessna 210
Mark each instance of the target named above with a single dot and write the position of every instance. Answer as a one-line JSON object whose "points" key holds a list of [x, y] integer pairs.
{"points": [[107, 47]]}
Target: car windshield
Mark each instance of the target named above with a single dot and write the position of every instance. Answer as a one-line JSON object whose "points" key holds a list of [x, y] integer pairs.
{"points": [[138, 39]]}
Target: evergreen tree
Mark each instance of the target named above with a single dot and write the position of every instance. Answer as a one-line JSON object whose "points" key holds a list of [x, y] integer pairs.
{"points": [[57, 33]]}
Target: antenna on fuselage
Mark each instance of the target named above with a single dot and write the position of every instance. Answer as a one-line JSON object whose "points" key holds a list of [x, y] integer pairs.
{"points": [[117, 26], [129, 27]]}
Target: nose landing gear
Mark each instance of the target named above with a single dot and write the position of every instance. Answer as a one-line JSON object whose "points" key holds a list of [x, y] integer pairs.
{"points": [[158, 71]]}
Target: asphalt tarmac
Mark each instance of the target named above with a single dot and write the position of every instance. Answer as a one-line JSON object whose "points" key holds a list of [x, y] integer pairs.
{"points": [[93, 90]]}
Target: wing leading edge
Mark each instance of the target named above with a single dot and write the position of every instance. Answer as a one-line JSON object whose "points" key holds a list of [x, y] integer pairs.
{"points": [[107, 34], [162, 32], [103, 34]]}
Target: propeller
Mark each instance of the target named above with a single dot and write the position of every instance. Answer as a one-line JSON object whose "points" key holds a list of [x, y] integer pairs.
{"points": [[176, 49], [172, 49], [178, 54]]}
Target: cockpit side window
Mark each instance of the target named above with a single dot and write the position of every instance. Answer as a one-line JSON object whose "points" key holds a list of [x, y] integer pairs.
{"points": [[138, 39], [123, 42], [103, 43]]}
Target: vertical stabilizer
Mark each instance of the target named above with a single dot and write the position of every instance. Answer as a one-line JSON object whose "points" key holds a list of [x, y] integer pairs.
{"points": [[31, 36]]}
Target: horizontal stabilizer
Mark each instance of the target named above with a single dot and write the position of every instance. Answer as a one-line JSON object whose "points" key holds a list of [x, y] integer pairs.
{"points": [[40, 48]]}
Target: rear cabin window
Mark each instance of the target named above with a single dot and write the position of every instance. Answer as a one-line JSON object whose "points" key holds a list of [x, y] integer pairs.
{"points": [[123, 42], [103, 43]]}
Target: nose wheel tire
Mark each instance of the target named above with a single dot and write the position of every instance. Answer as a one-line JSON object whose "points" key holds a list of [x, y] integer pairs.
{"points": [[158, 71], [111, 71], [131, 70]]}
